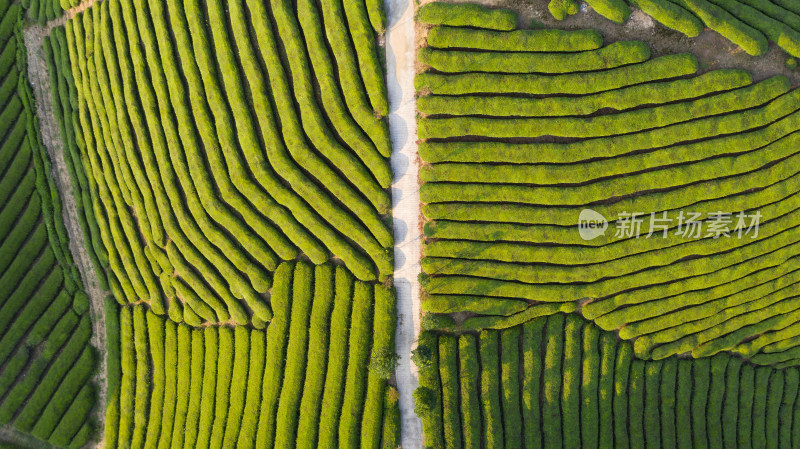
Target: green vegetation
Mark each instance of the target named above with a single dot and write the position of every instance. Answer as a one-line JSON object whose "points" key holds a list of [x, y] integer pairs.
{"points": [[667, 403], [46, 384], [170, 217], [248, 396], [513, 158]]}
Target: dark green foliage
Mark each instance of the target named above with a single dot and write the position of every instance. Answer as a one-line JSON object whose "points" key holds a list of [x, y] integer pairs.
{"points": [[489, 343], [448, 372], [552, 377], [469, 380]]}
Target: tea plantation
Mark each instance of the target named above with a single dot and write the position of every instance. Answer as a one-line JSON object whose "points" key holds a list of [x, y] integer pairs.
{"points": [[684, 291], [610, 236], [46, 361]]}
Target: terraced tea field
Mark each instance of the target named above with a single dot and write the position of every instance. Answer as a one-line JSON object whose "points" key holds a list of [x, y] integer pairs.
{"points": [[610, 233], [519, 143], [654, 200], [45, 328]]}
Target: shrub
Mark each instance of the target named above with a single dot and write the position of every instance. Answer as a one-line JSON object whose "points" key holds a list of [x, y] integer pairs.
{"points": [[355, 94], [277, 152], [611, 146], [622, 371], [542, 40], [671, 15], [613, 55], [357, 359], [277, 340], [590, 379], [483, 305], [651, 413], [746, 396], [605, 125], [314, 123], [721, 21], [584, 83], [510, 387], [667, 399], [252, 398], [775, 30], [774, 398], [296, 357], [337, 111], [209, 384], [59, 404], [427, 397], [32, 395], [467, 14], [552, 377], [618, 99], [570, 392], [318, 343], [196, 375], [760, 398], [785, 414], [730, 411], [560, 9], [390, 438], [239, 387], [383, 361], [489, 342], [469, 381], [71, 429], [113, 370], [448, 372], [608, 353], [184, 385], [613, 10], [716, 394], [337, 359], [636, 404]]}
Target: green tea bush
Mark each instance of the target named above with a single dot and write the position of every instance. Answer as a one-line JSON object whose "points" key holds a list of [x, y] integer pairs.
{"points": [[296, 356], [590, 380], [427, 398], [730, 27], [357, 361], [337, 358], [510, 387], [467, 14], [613, 55], [619, 99], [489, 343], [613, 10], [318, 340], [517, 40], [469, 382], [448, 374], [671, 15]]}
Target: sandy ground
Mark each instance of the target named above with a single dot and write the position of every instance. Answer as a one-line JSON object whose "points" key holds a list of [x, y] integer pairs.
{"points": [[405, 205], [40, 80]]}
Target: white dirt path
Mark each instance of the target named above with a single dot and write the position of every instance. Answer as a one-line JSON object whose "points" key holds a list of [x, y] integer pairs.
{"points": [[405, 206], [40, 81]]}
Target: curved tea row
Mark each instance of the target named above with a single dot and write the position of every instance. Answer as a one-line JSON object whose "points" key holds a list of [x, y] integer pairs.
{"points": [[211, 141]]}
